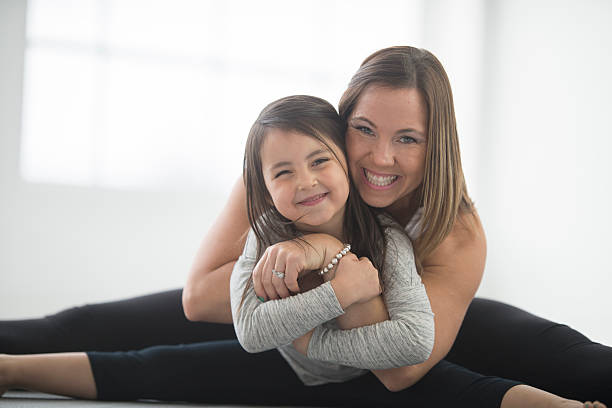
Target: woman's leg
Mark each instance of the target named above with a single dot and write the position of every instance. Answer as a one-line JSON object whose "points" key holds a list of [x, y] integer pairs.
{"points": [[128, 324], [63, 373], [222, 372], [499, 339]]}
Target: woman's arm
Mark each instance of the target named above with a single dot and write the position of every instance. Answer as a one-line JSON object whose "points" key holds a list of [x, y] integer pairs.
{"points": [[451, 274], [407, 337], [206, 293]]}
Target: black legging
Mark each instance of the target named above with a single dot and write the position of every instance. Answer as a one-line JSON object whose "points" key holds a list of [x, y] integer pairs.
{"points": [[497, 342]]}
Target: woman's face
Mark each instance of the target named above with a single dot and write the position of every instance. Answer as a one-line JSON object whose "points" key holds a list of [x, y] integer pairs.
{"points": [[386, 142]]}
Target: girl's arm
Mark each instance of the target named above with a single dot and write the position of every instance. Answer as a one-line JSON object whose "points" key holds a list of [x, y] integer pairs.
{"points": [[205, 296], [406, 337], [263, 326], [451, 274]]}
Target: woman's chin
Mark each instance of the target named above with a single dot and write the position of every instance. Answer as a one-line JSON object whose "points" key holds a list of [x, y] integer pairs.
{"points": [[376, 199]]}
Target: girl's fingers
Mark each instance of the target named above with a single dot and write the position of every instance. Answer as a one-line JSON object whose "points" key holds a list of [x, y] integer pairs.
{"points": [[267, 277], [292, 271], [257, 278], [278, 276]]}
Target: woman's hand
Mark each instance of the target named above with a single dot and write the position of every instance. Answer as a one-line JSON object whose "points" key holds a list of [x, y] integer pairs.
{"points": [[355, 281], [291, 259]]}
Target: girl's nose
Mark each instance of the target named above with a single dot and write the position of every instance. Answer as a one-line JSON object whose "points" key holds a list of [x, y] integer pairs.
{"points": [[307, 179]]}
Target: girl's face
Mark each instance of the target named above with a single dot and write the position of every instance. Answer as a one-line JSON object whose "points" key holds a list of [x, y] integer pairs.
{"points": [[386, 142], [306, 182]]}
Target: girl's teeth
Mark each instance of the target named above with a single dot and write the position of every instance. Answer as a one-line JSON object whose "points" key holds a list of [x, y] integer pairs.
{"points": [[315, 198], [380, 181]]}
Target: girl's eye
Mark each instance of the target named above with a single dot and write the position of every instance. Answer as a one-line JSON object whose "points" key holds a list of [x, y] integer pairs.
{"points": [[320, 161], [280, 173], [407, 139], [365, 130]]}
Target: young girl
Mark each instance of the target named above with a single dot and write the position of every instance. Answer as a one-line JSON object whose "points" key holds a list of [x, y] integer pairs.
{"points": [[297, 181]]}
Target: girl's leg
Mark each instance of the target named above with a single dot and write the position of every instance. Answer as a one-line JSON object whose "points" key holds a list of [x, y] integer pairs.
{"points": [[499, 339], [128, 324], [211, 372]]}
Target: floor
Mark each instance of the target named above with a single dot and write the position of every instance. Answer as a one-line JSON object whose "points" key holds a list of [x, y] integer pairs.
{"points": [[26, 399]]}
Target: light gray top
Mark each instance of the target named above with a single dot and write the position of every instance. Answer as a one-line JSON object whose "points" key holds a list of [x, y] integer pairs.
{"points": [[336, 355]]}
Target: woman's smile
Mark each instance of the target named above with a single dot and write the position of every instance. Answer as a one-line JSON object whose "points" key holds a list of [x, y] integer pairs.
{"points": [[379, 181]]}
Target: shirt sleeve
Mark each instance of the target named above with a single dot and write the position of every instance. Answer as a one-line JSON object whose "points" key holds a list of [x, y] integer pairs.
{"points": [[405, 339], [263, 326]]}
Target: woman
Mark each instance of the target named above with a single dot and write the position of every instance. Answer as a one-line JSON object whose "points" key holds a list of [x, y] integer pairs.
{"points": [[404, 156]]}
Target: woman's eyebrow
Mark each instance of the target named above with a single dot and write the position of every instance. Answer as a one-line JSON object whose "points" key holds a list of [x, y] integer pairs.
{"points": [[407, 130], [410, 130], [364, 119]]}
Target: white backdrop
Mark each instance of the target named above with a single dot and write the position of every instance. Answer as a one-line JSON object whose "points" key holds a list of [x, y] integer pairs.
{"points": [[531, 82]]}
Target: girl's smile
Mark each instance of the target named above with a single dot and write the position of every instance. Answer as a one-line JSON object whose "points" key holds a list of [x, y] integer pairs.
{"points": [[313, 200], [305, 180]]}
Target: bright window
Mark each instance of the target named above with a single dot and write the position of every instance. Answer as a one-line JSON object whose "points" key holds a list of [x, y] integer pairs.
{"points": [[141, 94]]}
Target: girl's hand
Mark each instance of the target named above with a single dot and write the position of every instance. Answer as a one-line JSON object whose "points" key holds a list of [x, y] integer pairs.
{"points": [[355, 280], [293, 258], [285, 258]]}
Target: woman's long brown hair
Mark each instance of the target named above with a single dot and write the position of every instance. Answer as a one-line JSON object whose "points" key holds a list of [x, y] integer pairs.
{"points": [[443, 192]]}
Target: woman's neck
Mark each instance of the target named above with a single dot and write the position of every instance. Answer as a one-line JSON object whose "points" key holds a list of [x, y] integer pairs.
{"points": [[403, 209]]}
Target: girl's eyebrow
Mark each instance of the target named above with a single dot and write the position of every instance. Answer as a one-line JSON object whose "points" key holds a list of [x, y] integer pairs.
{"points": [[310, 155]]}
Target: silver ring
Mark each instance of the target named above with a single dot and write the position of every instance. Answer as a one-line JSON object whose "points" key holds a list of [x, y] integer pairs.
{"points": [[280, 275]]}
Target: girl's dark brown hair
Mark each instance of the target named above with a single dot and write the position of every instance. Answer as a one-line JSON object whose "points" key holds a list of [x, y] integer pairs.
{"points": [[318, 119], [443, 192]]}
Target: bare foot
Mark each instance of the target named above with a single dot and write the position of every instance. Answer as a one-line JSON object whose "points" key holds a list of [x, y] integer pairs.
{"points": [[524, 395], [577, 404], [4, 377], [594, 404]]}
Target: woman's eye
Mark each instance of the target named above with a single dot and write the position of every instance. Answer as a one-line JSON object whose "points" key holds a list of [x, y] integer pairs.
{"points": [[320, 161], [364, 129], [280, 173], [407, 139]]}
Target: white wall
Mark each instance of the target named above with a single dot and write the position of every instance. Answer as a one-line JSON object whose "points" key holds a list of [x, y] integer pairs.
{"points": [[62, 245], [535, 140], [545, 185]]}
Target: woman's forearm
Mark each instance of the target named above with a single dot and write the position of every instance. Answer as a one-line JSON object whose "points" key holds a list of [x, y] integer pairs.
{"points": [[207, 298]]}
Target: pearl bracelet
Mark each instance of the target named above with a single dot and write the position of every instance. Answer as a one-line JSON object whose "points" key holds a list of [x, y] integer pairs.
{"points": [[335, 259]]}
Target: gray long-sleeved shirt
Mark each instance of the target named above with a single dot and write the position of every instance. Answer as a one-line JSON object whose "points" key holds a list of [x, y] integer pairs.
{"points": [[336, 355]]}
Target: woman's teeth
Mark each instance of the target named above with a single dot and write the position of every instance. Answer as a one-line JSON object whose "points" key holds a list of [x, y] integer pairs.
{"points": [[380, 181]]}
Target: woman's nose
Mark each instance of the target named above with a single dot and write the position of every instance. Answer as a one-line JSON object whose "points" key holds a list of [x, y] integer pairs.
{"points": [[382, 154]]}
